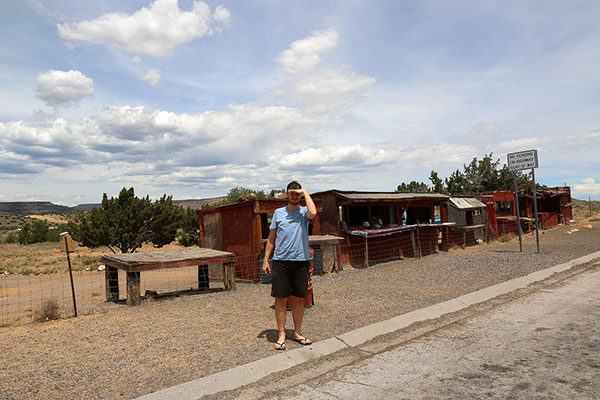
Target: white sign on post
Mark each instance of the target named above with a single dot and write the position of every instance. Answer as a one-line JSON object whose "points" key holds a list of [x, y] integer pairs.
{"points": [[522, 160]]}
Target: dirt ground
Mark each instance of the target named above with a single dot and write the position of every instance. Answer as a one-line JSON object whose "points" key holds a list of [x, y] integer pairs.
{"points": [[124, 352]]}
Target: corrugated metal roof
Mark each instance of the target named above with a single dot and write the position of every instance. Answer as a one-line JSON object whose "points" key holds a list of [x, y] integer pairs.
{"points": [[371, 196], [466, 203]]}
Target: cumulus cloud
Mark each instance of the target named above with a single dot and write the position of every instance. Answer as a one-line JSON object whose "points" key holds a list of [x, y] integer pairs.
{"points": [[63, 87], [221, 16], [589, 187], [54, 143], [152, 77], [329, 90], [354, 156], [303, 54], [435, 154], [155, 30], [517, 144]]}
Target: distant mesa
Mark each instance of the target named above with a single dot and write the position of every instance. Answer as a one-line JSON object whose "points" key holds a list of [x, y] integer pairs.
{"points": [[46, 207], [32, 207]]}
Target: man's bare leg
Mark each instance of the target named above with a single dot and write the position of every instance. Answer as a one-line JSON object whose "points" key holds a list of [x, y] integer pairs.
{"points": [[297, 315], [280, 317]]}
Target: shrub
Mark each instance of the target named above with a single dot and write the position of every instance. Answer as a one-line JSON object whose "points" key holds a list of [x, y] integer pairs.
{"points": [[11, 237], [50, 310], [35, 232], [188, 235], [54, 233]]}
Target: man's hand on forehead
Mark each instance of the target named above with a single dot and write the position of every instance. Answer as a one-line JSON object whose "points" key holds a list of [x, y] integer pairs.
{"points": [[297, 191]]}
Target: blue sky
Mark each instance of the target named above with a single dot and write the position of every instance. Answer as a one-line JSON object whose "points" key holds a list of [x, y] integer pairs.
{"points": [[191, 98]]}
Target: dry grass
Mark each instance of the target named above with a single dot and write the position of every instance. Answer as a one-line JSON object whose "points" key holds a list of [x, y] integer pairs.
{"points": [[583, 210], [45, 258], [50, 310], [53, 219]]}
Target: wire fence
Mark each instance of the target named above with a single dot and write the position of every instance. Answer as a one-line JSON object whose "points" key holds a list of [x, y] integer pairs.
{"points": [[24, 297]]}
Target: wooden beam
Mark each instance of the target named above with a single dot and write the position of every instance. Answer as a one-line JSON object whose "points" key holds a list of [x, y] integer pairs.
{"points": [[201, 241], [316, 225], [133, 288], [229, 275]]}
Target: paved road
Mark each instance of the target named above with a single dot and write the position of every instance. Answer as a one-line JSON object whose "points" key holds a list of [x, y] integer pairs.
{"points": [[542, 346]]}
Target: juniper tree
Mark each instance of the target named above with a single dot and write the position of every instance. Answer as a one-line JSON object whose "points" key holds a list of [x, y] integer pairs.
{"points": [[188, 235], [413, 187], [35, 232], [164, 221], [122, 222]]}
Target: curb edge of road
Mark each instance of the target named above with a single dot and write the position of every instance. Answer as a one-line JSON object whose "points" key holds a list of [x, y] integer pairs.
{"points": [[242, 375]]}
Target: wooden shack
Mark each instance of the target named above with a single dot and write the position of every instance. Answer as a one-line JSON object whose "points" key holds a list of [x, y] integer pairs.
{"points": [[469, 215], [553, 204], [382, 226], [501, 212], [240, 228]]}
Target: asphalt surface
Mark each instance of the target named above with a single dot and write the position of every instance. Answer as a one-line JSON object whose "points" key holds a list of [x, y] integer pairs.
{"points": [[545, 345]]}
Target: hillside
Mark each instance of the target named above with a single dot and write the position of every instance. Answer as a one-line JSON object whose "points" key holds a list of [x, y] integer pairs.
{"points": [[46, 207], [32, 207]]}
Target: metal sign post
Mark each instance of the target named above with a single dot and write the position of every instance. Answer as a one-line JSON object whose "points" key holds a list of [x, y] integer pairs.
{"points": [[537, 231], [518, 213], [518, 161], [67, 245]]}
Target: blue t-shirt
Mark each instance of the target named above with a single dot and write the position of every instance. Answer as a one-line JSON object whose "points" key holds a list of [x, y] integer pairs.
{"points": [[291, 242]]}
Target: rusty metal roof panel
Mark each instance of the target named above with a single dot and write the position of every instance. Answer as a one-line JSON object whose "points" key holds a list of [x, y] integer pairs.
{"points": [[378, 196], [466, 203]]}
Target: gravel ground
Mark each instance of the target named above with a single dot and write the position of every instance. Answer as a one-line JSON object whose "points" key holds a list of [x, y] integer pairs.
{"points": [[130, 351]]}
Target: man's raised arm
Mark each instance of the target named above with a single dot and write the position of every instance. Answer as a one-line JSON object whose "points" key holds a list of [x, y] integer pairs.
{"points": [[310, 205]]}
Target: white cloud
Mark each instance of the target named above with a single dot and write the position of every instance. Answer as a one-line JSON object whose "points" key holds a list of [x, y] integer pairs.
{"points": [[517, 145], [589, 187], [354, 156], [221, 15], [63, 87], [155, 30], [436, 154], [303, 54], [152, 77], [329, 90]]}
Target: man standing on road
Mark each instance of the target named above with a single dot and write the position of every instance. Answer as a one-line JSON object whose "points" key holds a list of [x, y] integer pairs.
{"points": [[289, 238]]}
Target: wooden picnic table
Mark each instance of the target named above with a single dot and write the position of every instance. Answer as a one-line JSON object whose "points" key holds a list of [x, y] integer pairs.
{"points": [[134, 263]]}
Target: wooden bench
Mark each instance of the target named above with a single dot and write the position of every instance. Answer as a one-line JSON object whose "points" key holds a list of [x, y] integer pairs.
{"points": [[134, 263]]}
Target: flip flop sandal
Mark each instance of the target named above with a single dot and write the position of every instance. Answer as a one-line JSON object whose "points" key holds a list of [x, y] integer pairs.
{"points": [[280, 346], [303, 341]]}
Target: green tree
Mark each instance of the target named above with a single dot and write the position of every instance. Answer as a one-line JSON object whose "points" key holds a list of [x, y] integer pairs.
{"points": [[123, 222], [34, 232], [506, 182], [456, 183], [481, 175], [237, 194], [437, 185], [188, 234], [413, 187], [94, 229], [165, 220]]}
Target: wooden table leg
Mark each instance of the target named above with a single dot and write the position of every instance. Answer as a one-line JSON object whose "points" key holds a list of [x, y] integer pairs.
{"points": [[111, 277], [203, 282], [229, 275], [133, 288]]}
